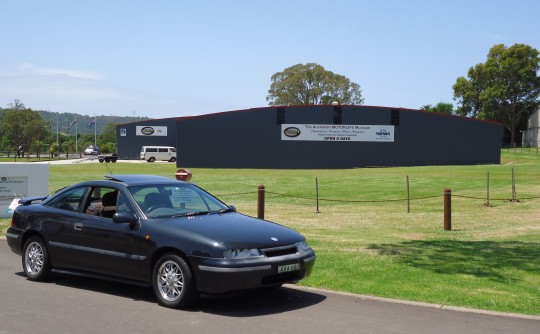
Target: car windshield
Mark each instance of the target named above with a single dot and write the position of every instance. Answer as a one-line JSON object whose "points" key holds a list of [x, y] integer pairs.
{"points": [[175, 200]]}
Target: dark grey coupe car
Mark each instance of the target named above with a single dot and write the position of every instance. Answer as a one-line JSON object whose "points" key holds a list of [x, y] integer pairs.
{"points": [[152, 230]]}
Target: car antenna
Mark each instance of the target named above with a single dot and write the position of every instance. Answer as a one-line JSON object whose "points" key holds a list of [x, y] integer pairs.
{"points": [[106, 166]]}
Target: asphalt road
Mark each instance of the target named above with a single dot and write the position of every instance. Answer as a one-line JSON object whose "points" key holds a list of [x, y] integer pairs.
{"points": [[79, 305]]}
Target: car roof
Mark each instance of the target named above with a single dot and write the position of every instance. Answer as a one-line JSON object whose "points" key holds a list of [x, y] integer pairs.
{"points": [[133, 179]]}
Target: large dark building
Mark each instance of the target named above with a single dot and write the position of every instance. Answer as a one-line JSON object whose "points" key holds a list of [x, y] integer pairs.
{"points": [[309, 137], [131, 137]]}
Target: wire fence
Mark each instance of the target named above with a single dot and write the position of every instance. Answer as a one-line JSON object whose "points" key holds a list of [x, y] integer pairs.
{"points": [[277, 194], [316, 199]]}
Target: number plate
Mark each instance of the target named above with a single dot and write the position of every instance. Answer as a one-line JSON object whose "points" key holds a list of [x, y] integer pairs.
{"points": [[287, 268]]}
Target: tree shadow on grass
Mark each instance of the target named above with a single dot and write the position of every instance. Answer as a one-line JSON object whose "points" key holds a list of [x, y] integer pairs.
{"points": [[483, 259]]}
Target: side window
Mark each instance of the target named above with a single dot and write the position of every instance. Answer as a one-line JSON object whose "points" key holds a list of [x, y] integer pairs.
{"points": [[173, 149], [70, 201], [151, 149], [102, 202], [163, 150]]}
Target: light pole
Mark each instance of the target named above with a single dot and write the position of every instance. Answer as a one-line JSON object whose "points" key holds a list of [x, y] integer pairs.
{"points": [[76, 139]]}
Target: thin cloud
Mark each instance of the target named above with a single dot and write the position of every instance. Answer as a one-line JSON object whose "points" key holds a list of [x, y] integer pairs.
{"points": [[45, 71], [66, 90]]}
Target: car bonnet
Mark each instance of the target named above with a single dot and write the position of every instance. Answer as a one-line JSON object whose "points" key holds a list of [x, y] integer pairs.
{"points": [[238, 231]]}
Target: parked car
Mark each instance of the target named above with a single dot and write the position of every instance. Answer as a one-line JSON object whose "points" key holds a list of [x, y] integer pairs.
{"points": [[155, 231], [92, 150]]}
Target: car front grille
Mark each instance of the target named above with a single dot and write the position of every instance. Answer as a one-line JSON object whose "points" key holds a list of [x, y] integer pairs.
{"points": [[279, 251]]}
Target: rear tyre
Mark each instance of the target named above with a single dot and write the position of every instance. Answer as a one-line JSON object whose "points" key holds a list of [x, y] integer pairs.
{"points": [[152, 159], [35, 260], [173, 283]]}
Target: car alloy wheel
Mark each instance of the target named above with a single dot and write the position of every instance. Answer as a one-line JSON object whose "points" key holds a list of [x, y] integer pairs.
{"points": [[173, 283], [170, 281], [36, 260]]}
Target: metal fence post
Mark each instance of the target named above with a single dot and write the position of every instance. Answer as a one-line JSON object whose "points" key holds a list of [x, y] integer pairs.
{"points": [[260, 202]]}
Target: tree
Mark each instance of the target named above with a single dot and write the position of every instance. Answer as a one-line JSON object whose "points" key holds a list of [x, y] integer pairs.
{"points": [[35, 133], [21, 126], [505, 88], [312, 84], [16, 105], [441, 107], [108, 139]]}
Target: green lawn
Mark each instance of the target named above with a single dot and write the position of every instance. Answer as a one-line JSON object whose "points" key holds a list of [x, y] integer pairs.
{"points": [[367, 243]]}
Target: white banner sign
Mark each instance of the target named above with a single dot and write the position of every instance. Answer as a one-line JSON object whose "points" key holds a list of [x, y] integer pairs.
{"points": [[337, 132], [151, 131]]}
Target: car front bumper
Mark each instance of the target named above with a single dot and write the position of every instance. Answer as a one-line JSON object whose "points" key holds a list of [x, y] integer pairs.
{"points": [[219, 276]]}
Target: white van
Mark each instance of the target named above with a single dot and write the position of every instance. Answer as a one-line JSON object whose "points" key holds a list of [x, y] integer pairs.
{"points": [[153, 153]]}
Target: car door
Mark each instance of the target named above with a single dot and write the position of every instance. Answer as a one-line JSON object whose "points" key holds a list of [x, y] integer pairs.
{"points": [[102, 246], [57, 224]]}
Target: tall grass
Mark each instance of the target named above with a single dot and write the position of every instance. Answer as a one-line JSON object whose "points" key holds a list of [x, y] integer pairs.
{"points": [[367, 242]]}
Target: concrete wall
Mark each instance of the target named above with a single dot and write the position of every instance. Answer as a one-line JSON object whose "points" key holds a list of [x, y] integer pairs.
{"points": [[252, 139]]}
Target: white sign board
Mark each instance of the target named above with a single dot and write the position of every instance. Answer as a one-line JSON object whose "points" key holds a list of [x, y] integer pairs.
{"points": [[337, 132], [151, 131], [18, 180], [12, 187]]}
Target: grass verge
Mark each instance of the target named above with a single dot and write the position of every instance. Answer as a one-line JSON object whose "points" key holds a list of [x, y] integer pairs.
{"points": [[368, 243]]}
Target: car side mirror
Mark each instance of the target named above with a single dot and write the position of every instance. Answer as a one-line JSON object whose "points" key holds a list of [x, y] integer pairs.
{"points": [[125, 218], [232, 207]]}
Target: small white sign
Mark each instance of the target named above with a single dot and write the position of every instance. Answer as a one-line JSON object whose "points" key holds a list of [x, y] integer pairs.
{"points": [[337, 132]]}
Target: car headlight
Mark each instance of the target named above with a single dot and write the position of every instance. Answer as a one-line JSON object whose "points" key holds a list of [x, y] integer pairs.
{"points": [[302, 246], [241, 253]]}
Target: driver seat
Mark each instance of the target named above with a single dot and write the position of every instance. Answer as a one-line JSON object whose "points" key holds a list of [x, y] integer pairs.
{"points": [[109, 204]]}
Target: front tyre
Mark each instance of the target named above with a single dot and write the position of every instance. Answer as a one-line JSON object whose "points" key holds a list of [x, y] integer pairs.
{"points": [[35, 260], [172, 281]]}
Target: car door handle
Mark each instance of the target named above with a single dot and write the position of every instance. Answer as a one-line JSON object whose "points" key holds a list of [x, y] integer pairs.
{"points": [[78, 226]]}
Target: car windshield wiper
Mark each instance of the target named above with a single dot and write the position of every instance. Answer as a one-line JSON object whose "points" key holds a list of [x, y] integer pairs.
{"points": [[191, 214], [197, 213], [221, 211]]}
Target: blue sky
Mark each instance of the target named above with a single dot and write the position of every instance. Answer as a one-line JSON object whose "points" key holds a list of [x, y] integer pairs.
{"points": [[178, 58]]}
